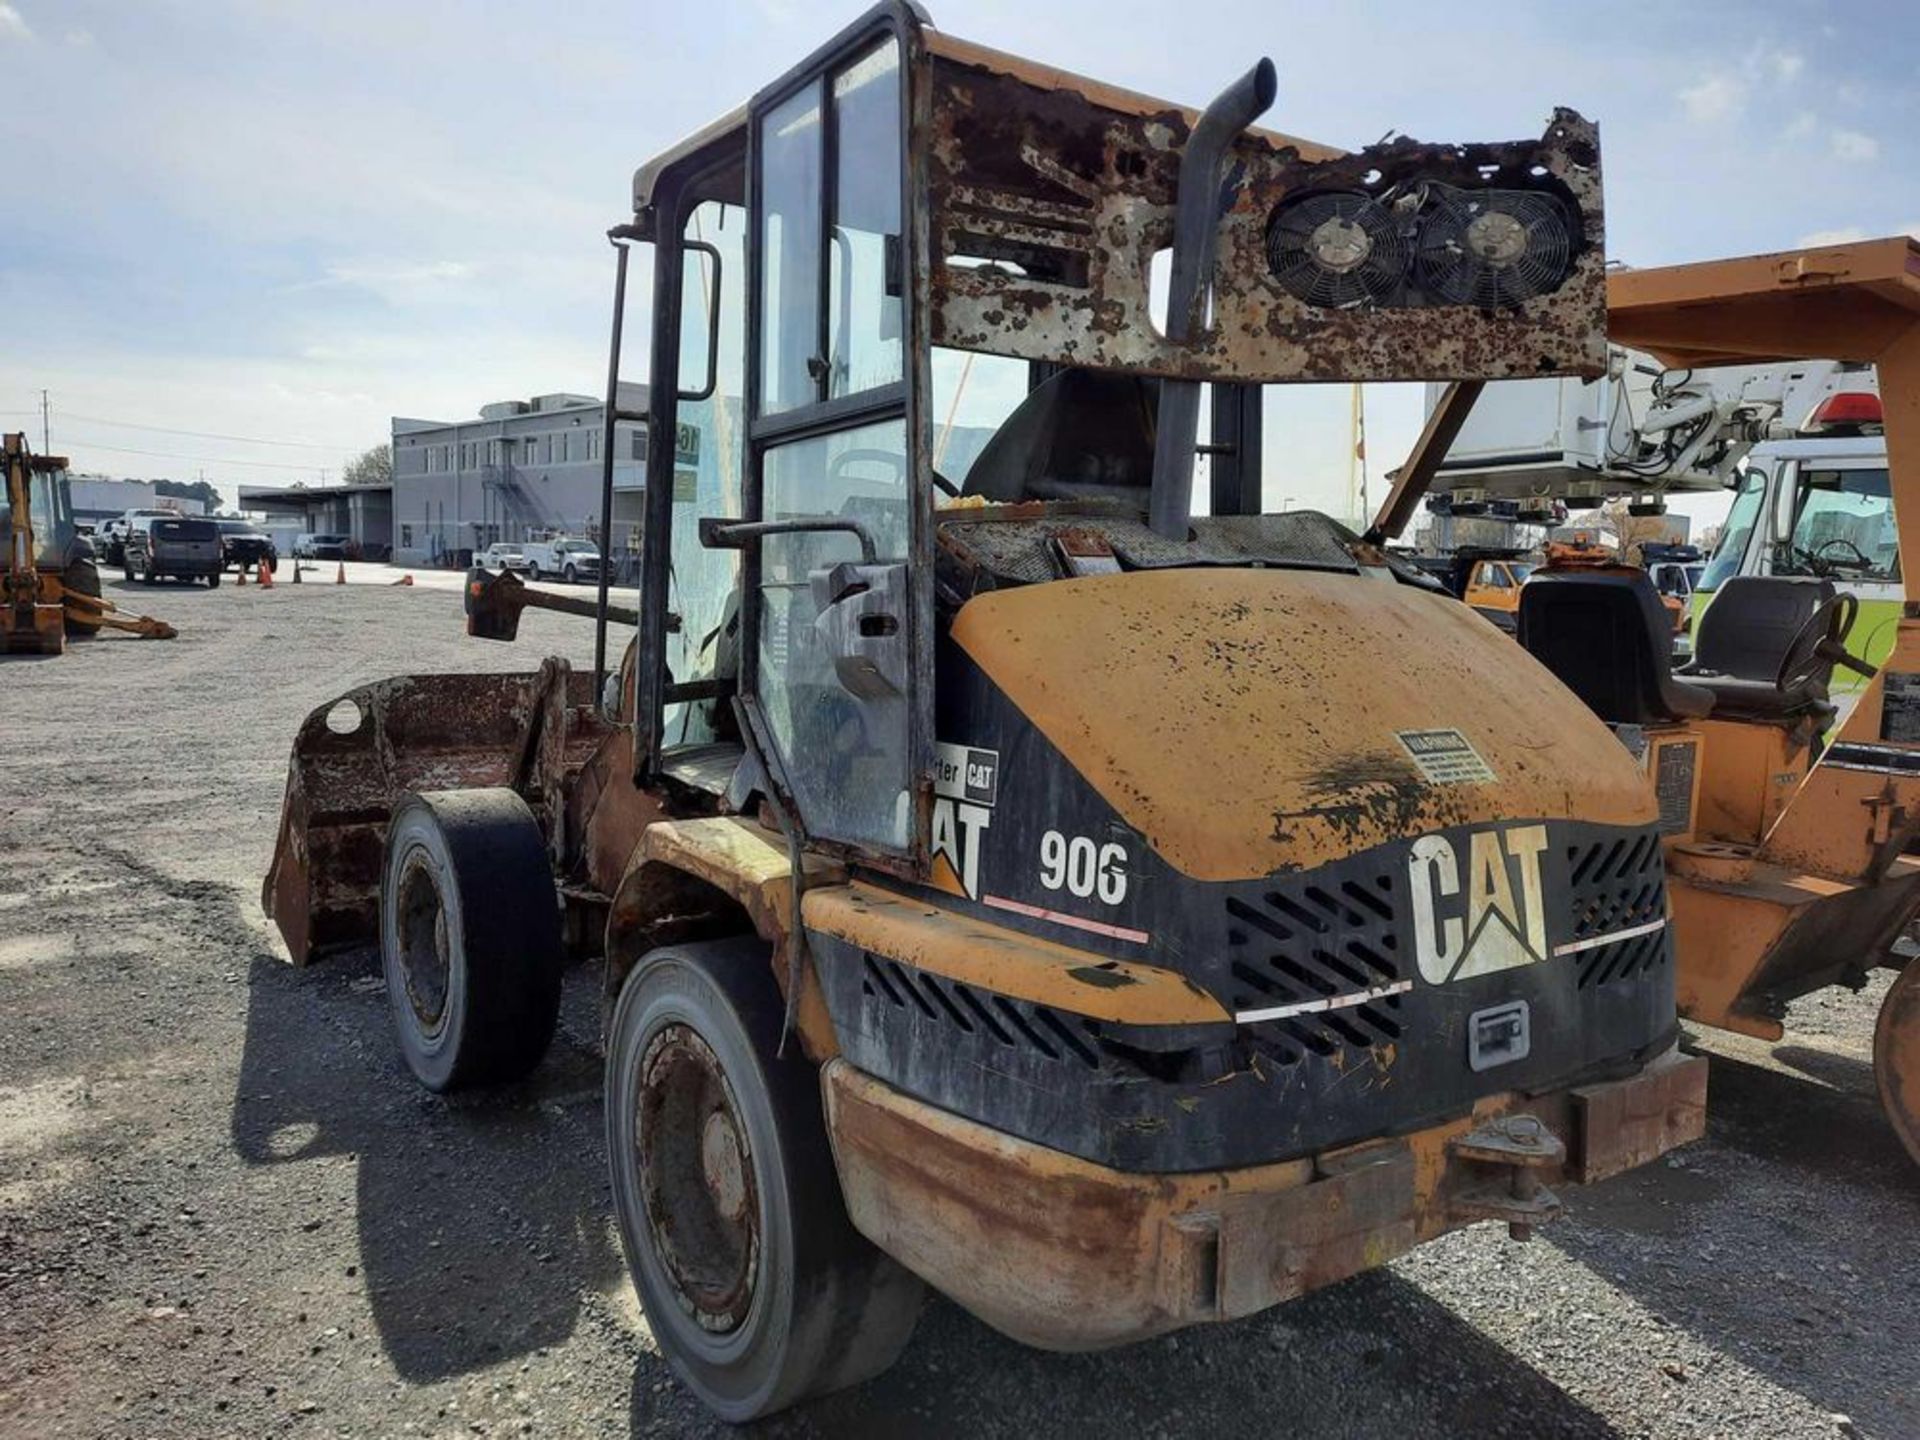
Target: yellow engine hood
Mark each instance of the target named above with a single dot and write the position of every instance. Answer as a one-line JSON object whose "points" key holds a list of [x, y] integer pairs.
{"points": [[1247, 721]]}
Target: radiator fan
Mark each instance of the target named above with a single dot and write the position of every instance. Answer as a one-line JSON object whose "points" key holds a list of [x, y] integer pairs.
{"points": [[1337, 248], [1493, 248]]}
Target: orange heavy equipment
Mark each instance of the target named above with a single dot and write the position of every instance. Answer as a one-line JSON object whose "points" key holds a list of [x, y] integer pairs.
{"points": [[49, 586], [1789, 841], [1007, 880]]}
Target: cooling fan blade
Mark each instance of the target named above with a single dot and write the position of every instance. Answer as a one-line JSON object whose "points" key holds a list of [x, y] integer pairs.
{"points": [[1493, 249], [1336, 249]]}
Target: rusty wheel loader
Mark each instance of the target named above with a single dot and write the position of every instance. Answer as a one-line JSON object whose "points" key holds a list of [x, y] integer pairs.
{"points": [[50, 586], [1791, 843], [1005, 879]]}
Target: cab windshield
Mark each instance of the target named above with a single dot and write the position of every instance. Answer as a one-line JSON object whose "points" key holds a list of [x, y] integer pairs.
{"points": [[1736, 532], [1842, 527]]}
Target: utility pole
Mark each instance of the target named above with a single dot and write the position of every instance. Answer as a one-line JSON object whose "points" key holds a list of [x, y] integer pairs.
{"points": [[46, 438]]}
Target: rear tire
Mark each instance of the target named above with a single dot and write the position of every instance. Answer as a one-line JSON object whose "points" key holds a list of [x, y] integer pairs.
{"points": [[533, 572], [82, 577], [213, 582], [1896, 1057], [758, 1289], [469, 937]]}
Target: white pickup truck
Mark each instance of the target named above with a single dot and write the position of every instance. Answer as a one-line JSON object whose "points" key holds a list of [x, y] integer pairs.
{"points": [[561, 558]]}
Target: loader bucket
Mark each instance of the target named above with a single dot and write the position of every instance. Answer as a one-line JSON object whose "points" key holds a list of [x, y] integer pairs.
{"points": [[356, 757]]}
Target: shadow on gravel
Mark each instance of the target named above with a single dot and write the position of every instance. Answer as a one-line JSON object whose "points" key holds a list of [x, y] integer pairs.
{"points": [[1792, 1254], [1835, 1128], [1374, 1356], [481, 1219]]}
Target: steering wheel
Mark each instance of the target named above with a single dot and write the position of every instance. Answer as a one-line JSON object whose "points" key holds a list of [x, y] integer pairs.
{"points": [[1821, 643], [1858, 561]]}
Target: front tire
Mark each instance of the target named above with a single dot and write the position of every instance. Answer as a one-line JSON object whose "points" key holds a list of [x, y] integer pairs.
{"points": [[758, 1289], [469, 937], [213, 582], [572, 576], [82, 577], [1896, 1057]]}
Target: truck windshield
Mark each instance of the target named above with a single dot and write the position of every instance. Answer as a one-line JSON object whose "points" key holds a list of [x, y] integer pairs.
{"points": [[1736, 532], [1843, 525]]}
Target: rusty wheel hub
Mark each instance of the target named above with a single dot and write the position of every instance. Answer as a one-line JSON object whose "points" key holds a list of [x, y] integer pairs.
{"points": [[697, 1186], [425, 960]]}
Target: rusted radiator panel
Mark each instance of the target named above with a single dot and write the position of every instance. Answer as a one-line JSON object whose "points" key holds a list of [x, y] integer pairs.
{"points": [[1049, 198]]}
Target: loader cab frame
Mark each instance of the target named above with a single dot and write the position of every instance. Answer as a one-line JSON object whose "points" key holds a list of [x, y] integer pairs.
{"points": [[883, 226]]}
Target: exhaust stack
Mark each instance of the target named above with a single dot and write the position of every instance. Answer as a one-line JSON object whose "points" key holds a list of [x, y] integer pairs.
{"points": [[1195, 229]]}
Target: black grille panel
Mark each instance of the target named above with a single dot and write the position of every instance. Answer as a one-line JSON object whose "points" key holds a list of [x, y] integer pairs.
{"points": [[1011, 1024], [1317, 939], [1617, 884]]}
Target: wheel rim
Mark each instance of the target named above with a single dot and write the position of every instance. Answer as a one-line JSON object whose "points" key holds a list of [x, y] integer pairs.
{"points": [[422, 944], [698, 1195]]}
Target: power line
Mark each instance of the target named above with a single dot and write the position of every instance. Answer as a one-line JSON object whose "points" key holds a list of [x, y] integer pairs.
{"points": [[199, 459], [204, 434]]}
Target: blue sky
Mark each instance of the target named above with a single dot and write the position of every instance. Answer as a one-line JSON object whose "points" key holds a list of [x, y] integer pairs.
{"points": [[291, 219]]}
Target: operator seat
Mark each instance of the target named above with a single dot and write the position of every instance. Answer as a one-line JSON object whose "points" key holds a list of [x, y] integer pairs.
{"points": [[1079, 435], [1607, 638], [1743, 638]]}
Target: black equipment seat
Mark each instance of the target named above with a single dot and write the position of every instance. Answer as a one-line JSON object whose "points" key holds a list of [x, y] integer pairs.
{"points": [[1079, 435], [1742, 639], [1607, 638]]}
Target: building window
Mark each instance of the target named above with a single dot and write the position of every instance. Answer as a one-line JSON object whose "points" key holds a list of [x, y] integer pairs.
{"points": [[638, 439], [593, 445], [406, 537], [563, 451], [532, 458]]}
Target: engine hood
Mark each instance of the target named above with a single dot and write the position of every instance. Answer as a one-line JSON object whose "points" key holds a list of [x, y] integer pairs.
{"points": [[1252, 721]]}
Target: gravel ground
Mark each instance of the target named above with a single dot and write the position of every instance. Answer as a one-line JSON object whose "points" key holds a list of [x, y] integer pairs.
{"points": [[225, 1210]]}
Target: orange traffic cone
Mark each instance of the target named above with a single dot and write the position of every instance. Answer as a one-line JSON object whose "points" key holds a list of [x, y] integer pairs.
{"points": [[241, 579], [404, 580], [340, 575], [265, 576]]}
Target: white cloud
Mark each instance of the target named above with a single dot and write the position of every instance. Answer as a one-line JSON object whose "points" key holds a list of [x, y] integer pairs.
{"points": [[1851, 145], [1718, 97], [1804, 124], [1845, 235], [1849, 234], [1786, 64], [79, 39], [12, 25]]}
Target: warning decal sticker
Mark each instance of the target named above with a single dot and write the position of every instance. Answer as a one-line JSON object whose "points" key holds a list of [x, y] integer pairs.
{"points": [[1445, 757]]}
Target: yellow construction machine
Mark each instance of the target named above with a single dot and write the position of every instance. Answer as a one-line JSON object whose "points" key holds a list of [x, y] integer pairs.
{"points": [[50, 586], [1006, 879], [1790, 843]]}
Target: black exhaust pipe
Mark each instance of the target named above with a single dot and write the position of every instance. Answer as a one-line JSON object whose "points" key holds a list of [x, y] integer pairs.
{"points": [[1196, 223]]}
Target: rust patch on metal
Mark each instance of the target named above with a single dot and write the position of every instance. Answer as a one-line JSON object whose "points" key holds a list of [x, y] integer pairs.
{"points": [[1049, 201]]}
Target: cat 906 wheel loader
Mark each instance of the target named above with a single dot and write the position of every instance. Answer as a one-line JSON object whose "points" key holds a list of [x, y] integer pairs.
{"points": [[1006, 879]]}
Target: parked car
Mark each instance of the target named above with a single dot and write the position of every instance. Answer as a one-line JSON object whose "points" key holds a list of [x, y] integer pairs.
{"points": [[322, 547], [110, 536], [570, 560], [178, 547], [246, 545], [502, 555]]}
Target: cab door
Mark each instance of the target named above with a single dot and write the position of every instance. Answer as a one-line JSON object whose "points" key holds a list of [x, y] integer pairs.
{"points": [[835, 505]]}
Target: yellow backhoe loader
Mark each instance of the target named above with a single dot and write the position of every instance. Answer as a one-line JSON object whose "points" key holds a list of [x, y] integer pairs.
{"points": [[1007, 880], [50, 586]]}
